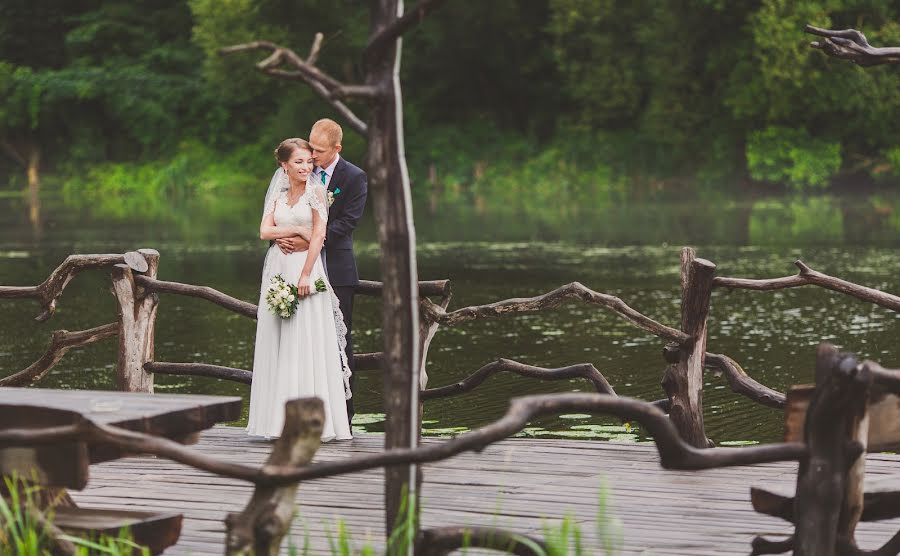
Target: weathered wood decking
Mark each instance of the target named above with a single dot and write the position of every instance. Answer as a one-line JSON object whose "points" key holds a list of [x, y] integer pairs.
{"points": [[519, 484]]}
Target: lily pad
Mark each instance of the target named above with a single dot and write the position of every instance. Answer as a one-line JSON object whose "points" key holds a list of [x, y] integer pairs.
{"points": [[444, 431], [738, 442], [368, 418], [575, 416], [612, 429]]}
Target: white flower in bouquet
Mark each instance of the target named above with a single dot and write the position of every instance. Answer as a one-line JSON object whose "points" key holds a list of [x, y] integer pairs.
{"points": [[282, 297]]}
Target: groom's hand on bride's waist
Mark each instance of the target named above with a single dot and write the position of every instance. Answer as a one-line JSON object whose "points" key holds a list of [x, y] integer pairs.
{"points": [[292, 244]]}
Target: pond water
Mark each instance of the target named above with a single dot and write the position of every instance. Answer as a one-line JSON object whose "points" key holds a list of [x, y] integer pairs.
{"points": [[629, 251]]}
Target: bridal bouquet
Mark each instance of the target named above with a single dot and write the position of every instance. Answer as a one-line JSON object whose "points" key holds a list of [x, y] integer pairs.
{"points": [[282, 298]]}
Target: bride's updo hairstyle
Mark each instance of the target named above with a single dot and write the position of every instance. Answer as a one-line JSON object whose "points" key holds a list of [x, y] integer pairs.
{"points": [[287, 147]]}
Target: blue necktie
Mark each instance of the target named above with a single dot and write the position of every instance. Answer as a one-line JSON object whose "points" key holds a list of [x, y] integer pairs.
{"points": [[324, 175]]}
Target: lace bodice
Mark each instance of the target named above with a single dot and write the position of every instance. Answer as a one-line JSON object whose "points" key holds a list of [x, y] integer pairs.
{"points": [[298, 215]]}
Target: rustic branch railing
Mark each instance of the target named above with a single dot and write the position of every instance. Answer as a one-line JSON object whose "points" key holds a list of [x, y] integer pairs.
{"points": [[48, 292], [687, 398], [61, 341], [850, 44], [681, 442]]}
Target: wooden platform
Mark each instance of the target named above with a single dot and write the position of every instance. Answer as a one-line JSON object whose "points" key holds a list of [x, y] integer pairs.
{"points": [[520, 484]]}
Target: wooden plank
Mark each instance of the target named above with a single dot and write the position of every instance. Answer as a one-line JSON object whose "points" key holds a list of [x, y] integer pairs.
{"points": [[154, 530], [175, 416], [518, 484], [884, 418], [64, 464]]}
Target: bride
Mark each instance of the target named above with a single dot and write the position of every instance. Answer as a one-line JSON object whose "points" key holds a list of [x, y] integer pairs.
{"points": [[302, 355]]}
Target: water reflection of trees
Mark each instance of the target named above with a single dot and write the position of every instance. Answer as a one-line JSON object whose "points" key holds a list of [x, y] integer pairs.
{"points": [[577, 213]]}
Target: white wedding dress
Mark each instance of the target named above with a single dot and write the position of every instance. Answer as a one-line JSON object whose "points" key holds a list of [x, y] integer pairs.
{"points": [[303, 355]]}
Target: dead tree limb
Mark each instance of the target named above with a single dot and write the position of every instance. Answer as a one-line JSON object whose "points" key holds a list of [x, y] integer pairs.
{"points": [[441, 541], [555, 298], [327, 87], [674, 452], [742, 383], [61, 341], [199, 369], [362, 362], [850, 44], [737, 378], [426, 288], [387, 35], [203, 292], [366, 287], [48, 292], [261, 526], [808, 276], [583, 370]]}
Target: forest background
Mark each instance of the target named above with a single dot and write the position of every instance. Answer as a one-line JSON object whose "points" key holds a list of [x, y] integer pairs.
{"points": [[124, 108]]}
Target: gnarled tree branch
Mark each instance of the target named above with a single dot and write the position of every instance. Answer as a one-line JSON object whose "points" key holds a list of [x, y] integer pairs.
{"points": [[386, 36], [60, 342], [444, 540], [203, 292], [366, 287], [583, 370], [426, 288], [48, 292], [327, 87], [674, 452], [199, 369], [850, 44], [808, 276], [741, 383], [553, 299]]}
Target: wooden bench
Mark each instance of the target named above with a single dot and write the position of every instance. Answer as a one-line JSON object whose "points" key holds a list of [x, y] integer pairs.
{"points": [[156, 531], [65, 465], [852, 409]]}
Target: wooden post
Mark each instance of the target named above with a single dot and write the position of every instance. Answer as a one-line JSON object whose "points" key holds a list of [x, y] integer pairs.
{"points": [[261, 527], [428, 327], [388, 179], [137, 320], [683, 381], [828, 502]]}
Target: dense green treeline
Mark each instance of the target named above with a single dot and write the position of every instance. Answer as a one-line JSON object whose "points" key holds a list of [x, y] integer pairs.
{"points": [[597, 100]]}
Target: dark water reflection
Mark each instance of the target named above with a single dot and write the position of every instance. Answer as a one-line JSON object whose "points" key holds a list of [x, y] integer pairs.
{"points": [[772, 334]]}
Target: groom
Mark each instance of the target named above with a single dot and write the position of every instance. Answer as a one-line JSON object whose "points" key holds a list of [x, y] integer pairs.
{"points": [[348, 186]]}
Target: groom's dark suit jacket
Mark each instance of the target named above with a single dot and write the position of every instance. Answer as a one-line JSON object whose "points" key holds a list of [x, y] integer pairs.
{"points": [[349, 185]]}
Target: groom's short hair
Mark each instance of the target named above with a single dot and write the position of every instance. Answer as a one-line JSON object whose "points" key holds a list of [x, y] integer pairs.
{"points": [[330, 128]]}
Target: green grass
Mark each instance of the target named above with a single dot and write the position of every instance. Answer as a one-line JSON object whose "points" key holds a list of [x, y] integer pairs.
{"points": [[23, 535]]}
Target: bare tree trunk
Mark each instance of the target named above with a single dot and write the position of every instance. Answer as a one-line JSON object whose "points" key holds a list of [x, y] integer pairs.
{"points": [[683, 381], [137, 323], [386, 165], [266, 519], [829, 495]]}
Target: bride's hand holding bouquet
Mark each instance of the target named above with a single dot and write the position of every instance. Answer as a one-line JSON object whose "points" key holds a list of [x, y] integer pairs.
{"points": [[303, 286]]}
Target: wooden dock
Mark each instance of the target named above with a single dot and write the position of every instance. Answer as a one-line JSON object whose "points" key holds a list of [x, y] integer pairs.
{"points": [[519, 484]]}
